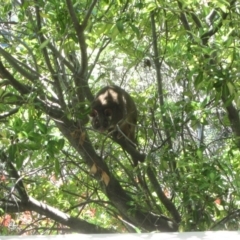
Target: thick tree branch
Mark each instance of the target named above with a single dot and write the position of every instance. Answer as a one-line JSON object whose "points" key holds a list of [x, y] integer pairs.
{"points": [[4, 82], [16, 65], [134, 153], [50, 109], [116, 194], [30, 204], [165, 201], [75, 224]]}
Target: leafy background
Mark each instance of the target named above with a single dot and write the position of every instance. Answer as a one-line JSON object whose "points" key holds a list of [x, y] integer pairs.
{"points": [[179, 60]]}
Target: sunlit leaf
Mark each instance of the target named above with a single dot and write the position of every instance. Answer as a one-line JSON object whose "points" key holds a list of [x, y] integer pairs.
{"points": [[105, 178], [93, 169]]}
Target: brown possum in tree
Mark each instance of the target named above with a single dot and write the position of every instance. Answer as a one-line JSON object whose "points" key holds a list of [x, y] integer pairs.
{"points": [[114, 109]]}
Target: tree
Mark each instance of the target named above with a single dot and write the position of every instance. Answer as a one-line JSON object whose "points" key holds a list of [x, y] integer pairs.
{"points": [[181, 59]]}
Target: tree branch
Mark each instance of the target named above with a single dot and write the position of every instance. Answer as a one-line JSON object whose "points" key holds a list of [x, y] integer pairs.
{"points": [[233, 116], [47, 60], [205, 37], [63, 59], [105, 43], [7, 114], [21, 88], [160, 83], [30, 204], [80, 78], [210, 17], [81, 39], [165, 201], [234, 215], [196, 20], [114, 191], [89, 12], [134, 153], [75, 224], [13, 172], [16, 65], [184, 21]]}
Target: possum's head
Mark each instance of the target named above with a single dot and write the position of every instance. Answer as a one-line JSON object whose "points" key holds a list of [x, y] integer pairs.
{"points": [[101, 119]]}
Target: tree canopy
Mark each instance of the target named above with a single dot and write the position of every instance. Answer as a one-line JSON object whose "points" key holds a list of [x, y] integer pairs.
{"points": [[179, 60]]}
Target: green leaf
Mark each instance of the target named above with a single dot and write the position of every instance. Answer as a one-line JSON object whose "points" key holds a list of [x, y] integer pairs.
{"points": [[42, 127], [119, 25], [17, 123], [135, 29], [35, 137], [69, 46], [29, 146], [19, 161], [151, 7], [198, 79], [225, 91], [12, 152], [51, 148], [44, 44], [57, 166], [61, 143]]}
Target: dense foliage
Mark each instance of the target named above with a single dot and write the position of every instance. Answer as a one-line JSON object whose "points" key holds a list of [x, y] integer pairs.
{"points": [[179, 60]]}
